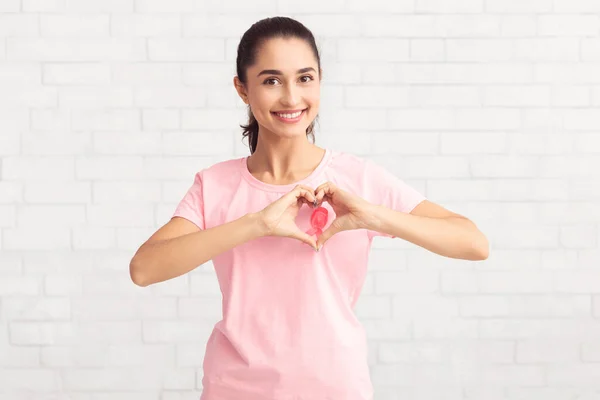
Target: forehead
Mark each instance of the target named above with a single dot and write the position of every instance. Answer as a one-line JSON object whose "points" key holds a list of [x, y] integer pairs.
{"points": [[285, 54]]}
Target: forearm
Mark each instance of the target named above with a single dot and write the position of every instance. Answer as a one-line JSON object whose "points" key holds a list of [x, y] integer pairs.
{"points": [[452, 237], [170, 258]]}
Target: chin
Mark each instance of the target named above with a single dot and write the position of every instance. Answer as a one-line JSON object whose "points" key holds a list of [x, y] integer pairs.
{"points": [[291, 134]]}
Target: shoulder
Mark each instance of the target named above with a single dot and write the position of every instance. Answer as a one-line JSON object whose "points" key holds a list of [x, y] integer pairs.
{"points": [[347, 162], [349, 171], [220, 168], [357, 168]]}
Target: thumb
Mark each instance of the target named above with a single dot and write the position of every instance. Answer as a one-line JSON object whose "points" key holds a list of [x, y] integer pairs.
{"points": [[306, 238], [327, 233]]}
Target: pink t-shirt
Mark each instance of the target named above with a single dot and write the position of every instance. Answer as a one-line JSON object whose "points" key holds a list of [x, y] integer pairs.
{"points": [[288, 330]]}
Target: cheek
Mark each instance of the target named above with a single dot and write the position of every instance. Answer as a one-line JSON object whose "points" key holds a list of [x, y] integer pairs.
{"points": [[314, 100], [261, 108], [260, 101]]}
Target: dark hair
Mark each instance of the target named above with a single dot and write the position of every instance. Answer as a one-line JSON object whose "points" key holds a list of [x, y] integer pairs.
{"points": [[253, 38]]}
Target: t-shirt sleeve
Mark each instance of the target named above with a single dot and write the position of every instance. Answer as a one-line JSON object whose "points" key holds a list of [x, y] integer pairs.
{"points": [[191, 206], [382, 187]]}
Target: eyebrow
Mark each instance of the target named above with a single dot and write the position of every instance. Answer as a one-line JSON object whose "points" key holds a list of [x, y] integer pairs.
{"points": [[278, 72]]}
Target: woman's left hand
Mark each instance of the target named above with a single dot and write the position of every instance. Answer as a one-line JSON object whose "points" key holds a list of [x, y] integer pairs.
{"points": [[352, 212]]}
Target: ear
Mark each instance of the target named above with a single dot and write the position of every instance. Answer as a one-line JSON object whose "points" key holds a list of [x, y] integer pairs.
{"points": [[239, 87]]}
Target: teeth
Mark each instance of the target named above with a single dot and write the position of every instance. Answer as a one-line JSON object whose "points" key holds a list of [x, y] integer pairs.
{"points": [[290, 116]]}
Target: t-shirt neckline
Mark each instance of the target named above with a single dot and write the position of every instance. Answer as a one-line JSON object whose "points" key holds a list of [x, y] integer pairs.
{"points": [[283, 188]]}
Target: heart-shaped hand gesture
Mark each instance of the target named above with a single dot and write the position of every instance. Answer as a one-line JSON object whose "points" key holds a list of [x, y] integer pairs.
{"points": [[352, 212], [279, 217]]}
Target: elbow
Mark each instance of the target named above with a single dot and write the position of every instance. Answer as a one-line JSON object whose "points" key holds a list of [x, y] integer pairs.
{"points": [[136, 274], [482, 250], [475, 249], [483, 255]]}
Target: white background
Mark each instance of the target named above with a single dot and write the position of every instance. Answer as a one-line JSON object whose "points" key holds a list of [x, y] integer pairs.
{"points": [[490, 108]]}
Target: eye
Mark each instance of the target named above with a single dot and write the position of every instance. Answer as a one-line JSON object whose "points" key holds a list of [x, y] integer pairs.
{"points": [[303, 76]]}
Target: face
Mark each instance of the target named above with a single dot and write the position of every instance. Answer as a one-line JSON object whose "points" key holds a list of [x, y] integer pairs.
{"points": [[296, 87]]}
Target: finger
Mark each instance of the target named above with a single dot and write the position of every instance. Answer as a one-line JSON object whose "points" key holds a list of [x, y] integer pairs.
{"points": [[319, 196], [303, 200], [305, 187], [321, 186], [305, 192], [325, 184], [324, 191], [308, 199], [296, 196]]}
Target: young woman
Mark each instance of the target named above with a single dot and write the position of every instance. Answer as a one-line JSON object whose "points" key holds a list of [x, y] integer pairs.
{"points": [[288, 330]]}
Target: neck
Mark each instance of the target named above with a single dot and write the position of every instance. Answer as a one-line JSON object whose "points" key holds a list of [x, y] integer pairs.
{"points": [[284, 161]]}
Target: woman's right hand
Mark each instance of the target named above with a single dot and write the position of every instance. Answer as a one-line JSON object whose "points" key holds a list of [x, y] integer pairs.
{"points": [[279, 217]]}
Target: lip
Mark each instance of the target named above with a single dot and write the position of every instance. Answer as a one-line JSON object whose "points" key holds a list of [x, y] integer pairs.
{"points": [[290, 111], [290, 121]]}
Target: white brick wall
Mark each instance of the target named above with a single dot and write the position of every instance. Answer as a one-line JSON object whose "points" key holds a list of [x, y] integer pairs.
{"points": [[489, 107]]}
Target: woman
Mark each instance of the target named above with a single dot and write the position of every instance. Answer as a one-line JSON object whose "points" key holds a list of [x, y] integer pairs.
{"points": [[288, 330]]}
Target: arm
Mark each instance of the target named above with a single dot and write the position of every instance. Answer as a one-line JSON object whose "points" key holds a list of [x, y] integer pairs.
{"points": [[180, 246], [433, 228]]}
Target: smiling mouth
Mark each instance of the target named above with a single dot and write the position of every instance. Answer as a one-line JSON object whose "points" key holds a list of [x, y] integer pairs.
{"points": [[291, 120], [279, 113]]}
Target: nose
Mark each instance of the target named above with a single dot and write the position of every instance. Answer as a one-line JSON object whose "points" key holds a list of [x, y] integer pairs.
{"points": [[290, 96]]}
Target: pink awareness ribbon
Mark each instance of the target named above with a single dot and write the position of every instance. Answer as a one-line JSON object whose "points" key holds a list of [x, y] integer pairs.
{"points": [[318, 219]]}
